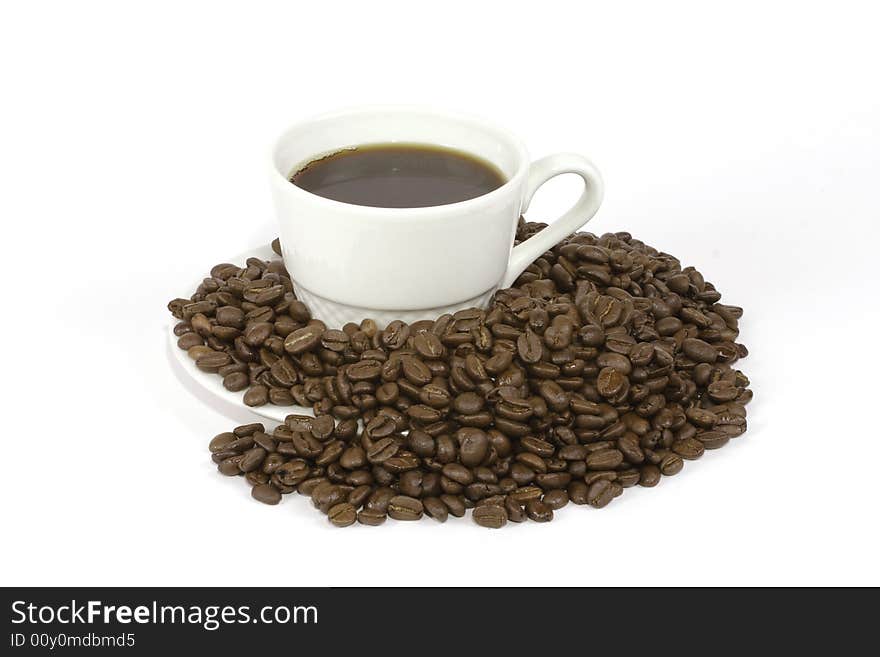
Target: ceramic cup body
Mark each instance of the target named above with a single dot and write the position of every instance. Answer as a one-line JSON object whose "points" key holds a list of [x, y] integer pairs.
{"points": [[350, 262]]}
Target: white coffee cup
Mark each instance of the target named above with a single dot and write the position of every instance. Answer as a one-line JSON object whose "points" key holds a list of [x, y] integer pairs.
{"points": [[350, 262]]}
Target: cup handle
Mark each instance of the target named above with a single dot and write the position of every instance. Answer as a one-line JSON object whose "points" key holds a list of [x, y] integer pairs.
{"points": [[581, 212]]}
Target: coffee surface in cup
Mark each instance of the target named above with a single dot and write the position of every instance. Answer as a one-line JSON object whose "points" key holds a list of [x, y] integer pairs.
{"points": [[399, 176]]}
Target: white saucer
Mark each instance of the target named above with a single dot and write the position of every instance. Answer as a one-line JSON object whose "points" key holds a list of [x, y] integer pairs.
{"points": [[213, 383]]}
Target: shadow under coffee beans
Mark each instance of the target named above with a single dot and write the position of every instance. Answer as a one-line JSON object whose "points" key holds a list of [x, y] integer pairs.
{"points": [[607, 365]]}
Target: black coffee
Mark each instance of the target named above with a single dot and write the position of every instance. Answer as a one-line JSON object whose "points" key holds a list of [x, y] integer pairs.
{"points": [[399, 176]]}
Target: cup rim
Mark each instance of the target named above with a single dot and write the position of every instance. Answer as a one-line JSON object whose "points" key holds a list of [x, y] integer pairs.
{"points": [[278, 178]]}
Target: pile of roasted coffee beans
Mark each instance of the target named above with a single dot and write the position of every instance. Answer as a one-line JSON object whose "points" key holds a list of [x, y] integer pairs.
{"points": [[607, 365]]}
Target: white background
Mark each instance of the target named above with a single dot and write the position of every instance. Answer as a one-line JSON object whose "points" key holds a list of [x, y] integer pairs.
{"points": [[744, 139]]}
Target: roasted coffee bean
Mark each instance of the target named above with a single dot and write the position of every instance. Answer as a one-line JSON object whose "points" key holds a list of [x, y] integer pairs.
{"points": [[473, 446], [308, 486], [529, 346], [402, 507], [435, 508], [458, 473], [515, 511], [342, 515], [605, 365], [266, 493], [722, 391], [322, 427], [538, 511], [364, 370], [649, 476], [379, 499], [257, 333], [190, 340], [435, 396], [328, 495], [578, 492], [604, 459], [229, 466], [221, 441], [236, 381], [610, 382], [714, 439], [428, 345], [699, 351], [304, 339], [688, 448], [455, 505], [556, 498], [627, 478], [415, 371], [257, 395], [671, 464], [601, 493], [370, 517], [252, 459], [490, 515]]}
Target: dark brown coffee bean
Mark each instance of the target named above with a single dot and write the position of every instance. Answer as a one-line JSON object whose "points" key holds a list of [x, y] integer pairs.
{"points": [[342, 515], [699, 351], [328, 495], [236, 381], [688, 448], [248, 429], [610, 382], [435, 508], [257, 333], [627, 478], [526, 493], [435, 396], [322, 427], [553, 480], [364, 370], [458, 473], [252, 459], [266, 296], [304, 339], [515, 511], [604, 459], [601, 493], [455, 505], [538, 511], [649, 476], [221, 441], [529, 347], [190, 340], [722, 391], [229, 466], [424, 413], [266, 493], [555, 499], [403, 507], [308, 486], [490, 516], [415, 371], [359, 495], [257, 395], [473, 446], [379, 499], [714, 439], [671, 464], [370, 517], [577, 492], [428, 345]]}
